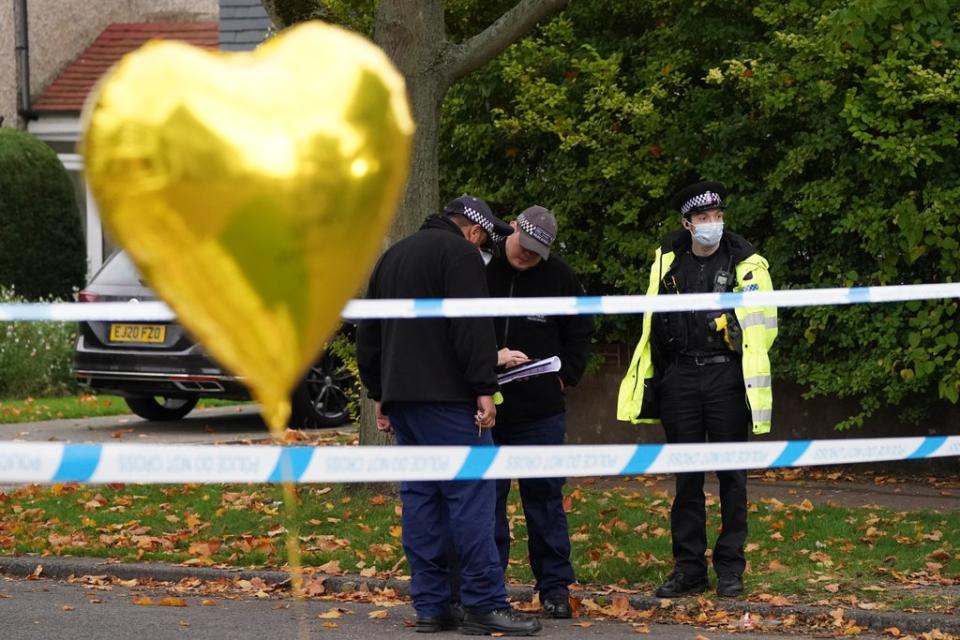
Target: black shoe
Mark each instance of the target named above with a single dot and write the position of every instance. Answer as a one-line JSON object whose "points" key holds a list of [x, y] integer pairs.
{"points": [[505, 622], [729, 585], [452, 619], [557, 606], [679, 584]]}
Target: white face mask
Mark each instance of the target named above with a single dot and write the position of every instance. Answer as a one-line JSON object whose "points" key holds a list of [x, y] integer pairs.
{"points": [[486, 255], [708, 233]]}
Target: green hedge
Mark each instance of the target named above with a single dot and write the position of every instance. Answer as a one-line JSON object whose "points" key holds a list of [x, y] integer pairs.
{"points": [[833, 122], [42, 250]]}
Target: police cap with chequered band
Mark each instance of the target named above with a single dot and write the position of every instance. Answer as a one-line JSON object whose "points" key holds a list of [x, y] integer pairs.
{"points": [[478, 212], [538, 230], [701, 196]]}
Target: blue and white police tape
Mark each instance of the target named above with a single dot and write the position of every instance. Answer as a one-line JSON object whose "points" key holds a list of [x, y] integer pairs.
{"points": [[26, 462], [482, 307]]}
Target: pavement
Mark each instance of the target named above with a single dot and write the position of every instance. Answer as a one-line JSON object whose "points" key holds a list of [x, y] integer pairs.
{"points": [[218, 425], [43, 609], [27, 576], [895, 486]]}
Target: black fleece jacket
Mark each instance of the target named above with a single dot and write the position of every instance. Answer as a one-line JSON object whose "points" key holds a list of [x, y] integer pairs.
{"points": [[539, 336], [428, 359], [688, 332]]}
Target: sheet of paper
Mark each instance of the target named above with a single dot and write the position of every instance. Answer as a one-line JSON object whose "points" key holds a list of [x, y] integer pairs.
{"points": [[530, 369]]}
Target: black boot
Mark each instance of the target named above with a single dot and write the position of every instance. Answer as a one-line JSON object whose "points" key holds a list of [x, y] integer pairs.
{"points": [[452, 619], [557, 606], [729, 585], [505, 622], [679, 584]]}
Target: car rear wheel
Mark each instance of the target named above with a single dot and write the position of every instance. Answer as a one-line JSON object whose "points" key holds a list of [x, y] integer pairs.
{"points": [[321, 400], [161, 407]]}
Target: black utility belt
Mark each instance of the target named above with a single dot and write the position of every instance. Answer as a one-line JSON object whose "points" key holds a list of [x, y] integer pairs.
{"points": [[702, 361]]}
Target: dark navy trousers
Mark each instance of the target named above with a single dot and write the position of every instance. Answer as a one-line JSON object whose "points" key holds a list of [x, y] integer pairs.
{"points": [[548, 537], [438, 512]]}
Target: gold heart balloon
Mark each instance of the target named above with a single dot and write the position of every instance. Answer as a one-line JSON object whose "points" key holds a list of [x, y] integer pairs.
{"points": [[253, 190]]}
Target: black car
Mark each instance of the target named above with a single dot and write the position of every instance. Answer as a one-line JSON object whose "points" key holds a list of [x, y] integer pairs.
{"points": [[162, 373]]}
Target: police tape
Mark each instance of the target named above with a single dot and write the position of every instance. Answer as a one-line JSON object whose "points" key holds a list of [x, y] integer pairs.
{"points": [[486, 307], [46, 462]]}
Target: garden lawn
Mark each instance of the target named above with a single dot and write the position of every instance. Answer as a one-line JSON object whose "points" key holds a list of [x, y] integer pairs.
{"points": [[79, 406], [797, 553]]}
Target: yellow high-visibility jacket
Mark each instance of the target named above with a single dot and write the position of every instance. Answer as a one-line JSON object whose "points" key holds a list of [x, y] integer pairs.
{"points": [[759, 325]]}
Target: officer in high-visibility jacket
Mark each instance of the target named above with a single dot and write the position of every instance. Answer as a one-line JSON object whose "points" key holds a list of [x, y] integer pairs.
{"points": [[706, 376]]}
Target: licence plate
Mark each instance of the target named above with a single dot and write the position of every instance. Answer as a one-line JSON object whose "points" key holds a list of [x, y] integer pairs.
{"points": [[142, 333]]}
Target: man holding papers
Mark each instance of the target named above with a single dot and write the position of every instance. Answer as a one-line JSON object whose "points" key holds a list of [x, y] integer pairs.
{"points": [[533, 411], [433, 381]]}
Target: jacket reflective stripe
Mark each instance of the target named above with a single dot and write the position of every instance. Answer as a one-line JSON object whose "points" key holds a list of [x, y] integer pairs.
{"points": [[757, 381], [761, 415], [758, 318]]}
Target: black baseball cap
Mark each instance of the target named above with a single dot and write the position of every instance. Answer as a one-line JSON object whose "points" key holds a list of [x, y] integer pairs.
{"points": [[478, 212]]}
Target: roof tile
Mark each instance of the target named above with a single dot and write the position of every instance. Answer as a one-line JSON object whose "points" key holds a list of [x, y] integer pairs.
{"points": [[69, 90]]}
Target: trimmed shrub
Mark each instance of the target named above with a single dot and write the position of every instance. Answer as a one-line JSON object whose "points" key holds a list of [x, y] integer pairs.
{"points": [[42, 252]]}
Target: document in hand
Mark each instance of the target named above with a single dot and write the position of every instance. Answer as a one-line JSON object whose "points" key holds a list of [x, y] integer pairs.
{"points": [[535, 368]]}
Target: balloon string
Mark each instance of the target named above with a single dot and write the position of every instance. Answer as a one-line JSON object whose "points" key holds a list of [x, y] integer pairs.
{"points": [[276, 415], [290, 499]]}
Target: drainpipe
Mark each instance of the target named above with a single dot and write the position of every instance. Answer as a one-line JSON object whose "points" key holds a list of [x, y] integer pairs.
{"points": [[25, 107]]}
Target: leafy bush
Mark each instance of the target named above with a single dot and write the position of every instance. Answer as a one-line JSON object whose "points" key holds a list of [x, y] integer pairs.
{"points": [[344, 347], [35, 357], [43, 252], [833, 122]]}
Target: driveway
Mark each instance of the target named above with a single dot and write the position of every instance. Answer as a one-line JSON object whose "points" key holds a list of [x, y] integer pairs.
{"points": [[234, 424]]}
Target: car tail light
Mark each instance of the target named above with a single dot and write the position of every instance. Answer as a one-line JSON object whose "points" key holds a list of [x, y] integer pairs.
{"points": [[87, 296]]}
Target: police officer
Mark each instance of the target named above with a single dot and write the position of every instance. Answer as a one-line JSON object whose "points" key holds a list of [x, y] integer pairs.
{"points": [[706, 375], [533, 410], [433, 382]]}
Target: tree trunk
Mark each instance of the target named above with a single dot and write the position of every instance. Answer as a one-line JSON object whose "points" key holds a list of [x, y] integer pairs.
{"points": [[413, 34]]}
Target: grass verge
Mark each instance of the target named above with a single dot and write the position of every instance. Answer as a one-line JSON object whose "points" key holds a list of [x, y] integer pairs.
{"points": [[797, 553]]}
